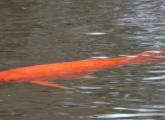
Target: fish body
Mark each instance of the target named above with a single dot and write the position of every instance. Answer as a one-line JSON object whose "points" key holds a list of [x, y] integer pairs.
{"points": [[45, 73]]}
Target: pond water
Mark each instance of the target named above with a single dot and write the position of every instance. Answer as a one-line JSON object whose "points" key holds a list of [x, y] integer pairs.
{"points": [[46, 31]]}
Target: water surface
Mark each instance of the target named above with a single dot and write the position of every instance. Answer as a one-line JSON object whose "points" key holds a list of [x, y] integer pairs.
{"points": [[41, 31]]}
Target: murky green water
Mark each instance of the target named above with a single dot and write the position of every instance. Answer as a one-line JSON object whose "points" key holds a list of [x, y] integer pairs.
{"points": [[41, 31]]}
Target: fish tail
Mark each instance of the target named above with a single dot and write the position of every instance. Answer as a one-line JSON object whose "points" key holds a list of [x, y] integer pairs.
{"points": [[148, 57]]}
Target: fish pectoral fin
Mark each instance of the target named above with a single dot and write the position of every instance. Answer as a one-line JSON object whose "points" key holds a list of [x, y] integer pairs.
{"points": [[49, 84]]}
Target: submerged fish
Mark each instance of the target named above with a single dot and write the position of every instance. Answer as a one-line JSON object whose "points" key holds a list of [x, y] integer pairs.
{"points": [[44, 74]]}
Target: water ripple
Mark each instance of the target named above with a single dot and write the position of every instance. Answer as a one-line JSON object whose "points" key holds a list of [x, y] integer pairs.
{"points": [[133, 115], [96, 33], [161, 77], [88, 88], [145, 22], [156, 71], [137, 109]]}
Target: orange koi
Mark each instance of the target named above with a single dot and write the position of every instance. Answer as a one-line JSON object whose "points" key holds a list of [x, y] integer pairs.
{"points": [[45, 73]]}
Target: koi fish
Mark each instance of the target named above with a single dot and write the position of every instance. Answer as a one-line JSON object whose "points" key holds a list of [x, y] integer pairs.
{"points": [[45, 73]]}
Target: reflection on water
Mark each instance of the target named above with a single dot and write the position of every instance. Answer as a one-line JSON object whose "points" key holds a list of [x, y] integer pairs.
{"points": [[34, 32]]}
